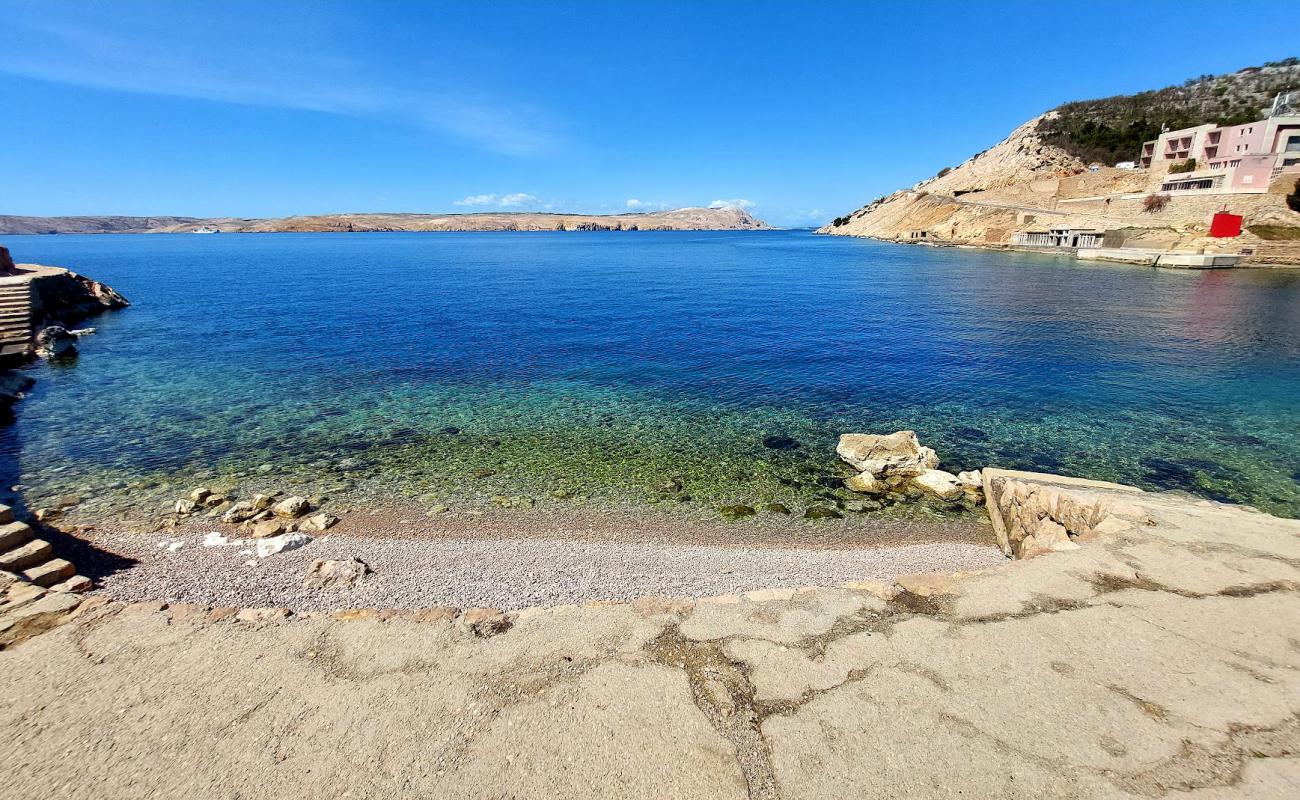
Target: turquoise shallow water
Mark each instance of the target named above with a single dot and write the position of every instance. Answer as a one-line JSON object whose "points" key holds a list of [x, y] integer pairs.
{"points": [[607, 363]]}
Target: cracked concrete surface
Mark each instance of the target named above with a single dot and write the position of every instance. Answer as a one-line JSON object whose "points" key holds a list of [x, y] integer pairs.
{"points": [[1161, 661]]}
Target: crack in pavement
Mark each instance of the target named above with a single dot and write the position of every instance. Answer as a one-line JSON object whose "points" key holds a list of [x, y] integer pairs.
{"points": [[722, 690]]}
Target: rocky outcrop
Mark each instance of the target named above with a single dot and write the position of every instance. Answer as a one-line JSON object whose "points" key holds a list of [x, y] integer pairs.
{"points": [[898, 464], [62, 297], [6, 260], [56, 342], [1028, 182], [1034, 513]]}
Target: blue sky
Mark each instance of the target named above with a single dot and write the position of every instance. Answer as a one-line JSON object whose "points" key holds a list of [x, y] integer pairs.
{"points": [[798, 111]]}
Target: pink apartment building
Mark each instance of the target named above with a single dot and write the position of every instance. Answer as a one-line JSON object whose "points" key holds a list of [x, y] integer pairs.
{"points": [[1233, 158]]}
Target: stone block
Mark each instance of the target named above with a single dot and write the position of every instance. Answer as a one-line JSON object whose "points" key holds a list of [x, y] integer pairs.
{"points": [[34, 552], [50, 572], [77, 583], [13, 534]]}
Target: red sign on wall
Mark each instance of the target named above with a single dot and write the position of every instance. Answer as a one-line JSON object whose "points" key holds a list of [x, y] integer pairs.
{"points": [[1225, 225]]}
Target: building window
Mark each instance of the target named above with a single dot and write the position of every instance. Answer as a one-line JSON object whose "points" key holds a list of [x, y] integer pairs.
{"points": [[1293, 144]]}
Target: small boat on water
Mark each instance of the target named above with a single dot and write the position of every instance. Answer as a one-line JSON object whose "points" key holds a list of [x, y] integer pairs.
{"points": [[205, 229]]}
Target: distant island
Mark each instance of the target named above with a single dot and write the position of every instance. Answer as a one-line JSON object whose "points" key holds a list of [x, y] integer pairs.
{"points": [[681, 219]]}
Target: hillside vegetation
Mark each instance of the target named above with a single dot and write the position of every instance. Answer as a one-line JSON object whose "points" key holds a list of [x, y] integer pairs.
{"points": [[1113, 129]]}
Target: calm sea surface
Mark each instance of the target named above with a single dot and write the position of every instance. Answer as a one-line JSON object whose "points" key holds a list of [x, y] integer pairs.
{"points": [[607, 363]]}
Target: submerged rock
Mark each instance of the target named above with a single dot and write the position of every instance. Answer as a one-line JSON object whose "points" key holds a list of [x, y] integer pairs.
{"points": [[56, 342], [866, 483], [736, 511], [778, 442], [863, 506], [776, 508], [821, 512]]}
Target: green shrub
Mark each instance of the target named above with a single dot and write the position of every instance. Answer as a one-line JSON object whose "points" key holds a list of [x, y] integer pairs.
{"points": [[1113, 129], [1186, 166]]}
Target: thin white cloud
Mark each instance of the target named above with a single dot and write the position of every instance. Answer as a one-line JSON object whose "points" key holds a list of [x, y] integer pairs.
{"points": [[511, 200], [134, 49], [633, 204], [476, 200], [739, 202], [519, 199]]}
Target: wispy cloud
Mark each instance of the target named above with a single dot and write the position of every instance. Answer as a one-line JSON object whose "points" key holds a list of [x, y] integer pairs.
{"points": [[633, 204], [134, 49], [476, 200], [512, 200], [739, 202], [519, 199]]}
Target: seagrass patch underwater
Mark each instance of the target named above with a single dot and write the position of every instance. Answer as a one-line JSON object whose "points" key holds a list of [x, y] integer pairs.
{"points": [[612, 365]]}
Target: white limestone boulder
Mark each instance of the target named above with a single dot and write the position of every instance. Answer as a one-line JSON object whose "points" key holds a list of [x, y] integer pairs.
{"points": [[898, 454], [943, 485]]}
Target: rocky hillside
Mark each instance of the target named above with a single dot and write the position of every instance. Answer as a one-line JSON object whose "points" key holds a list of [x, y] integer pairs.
{"points": [[1113, 128], [41, 225], [682, 219], [1037, 178]]}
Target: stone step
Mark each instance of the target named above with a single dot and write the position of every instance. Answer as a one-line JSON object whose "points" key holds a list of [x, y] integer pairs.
{"points": [[77, 583], [14, 534], [36, 551], [51, 572], [19, 595], [6, 514]]}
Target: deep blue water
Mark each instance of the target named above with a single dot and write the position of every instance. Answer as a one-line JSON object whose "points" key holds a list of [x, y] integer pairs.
{"points": [[607, 361]]}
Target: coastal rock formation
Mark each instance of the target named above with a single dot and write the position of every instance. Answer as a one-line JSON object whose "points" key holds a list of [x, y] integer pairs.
{"points": [[1033, 513], [56, 342], [897, 464], [681, 219], [1036, 179], [62, 297], [6, 260], [891, 455]]}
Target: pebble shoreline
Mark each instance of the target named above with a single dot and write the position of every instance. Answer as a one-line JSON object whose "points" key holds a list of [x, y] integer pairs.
{"points": [[499, 573]]}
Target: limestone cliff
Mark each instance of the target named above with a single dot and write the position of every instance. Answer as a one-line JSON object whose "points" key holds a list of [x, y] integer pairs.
{"points": [[1035, 180]]}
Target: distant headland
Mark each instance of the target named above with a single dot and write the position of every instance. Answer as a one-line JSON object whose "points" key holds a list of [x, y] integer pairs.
{"points": [[681, 219]]}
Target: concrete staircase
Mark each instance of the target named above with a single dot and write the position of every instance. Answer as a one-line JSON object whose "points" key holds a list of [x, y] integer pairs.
{"points": [[15, 317], [28, 567]]}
